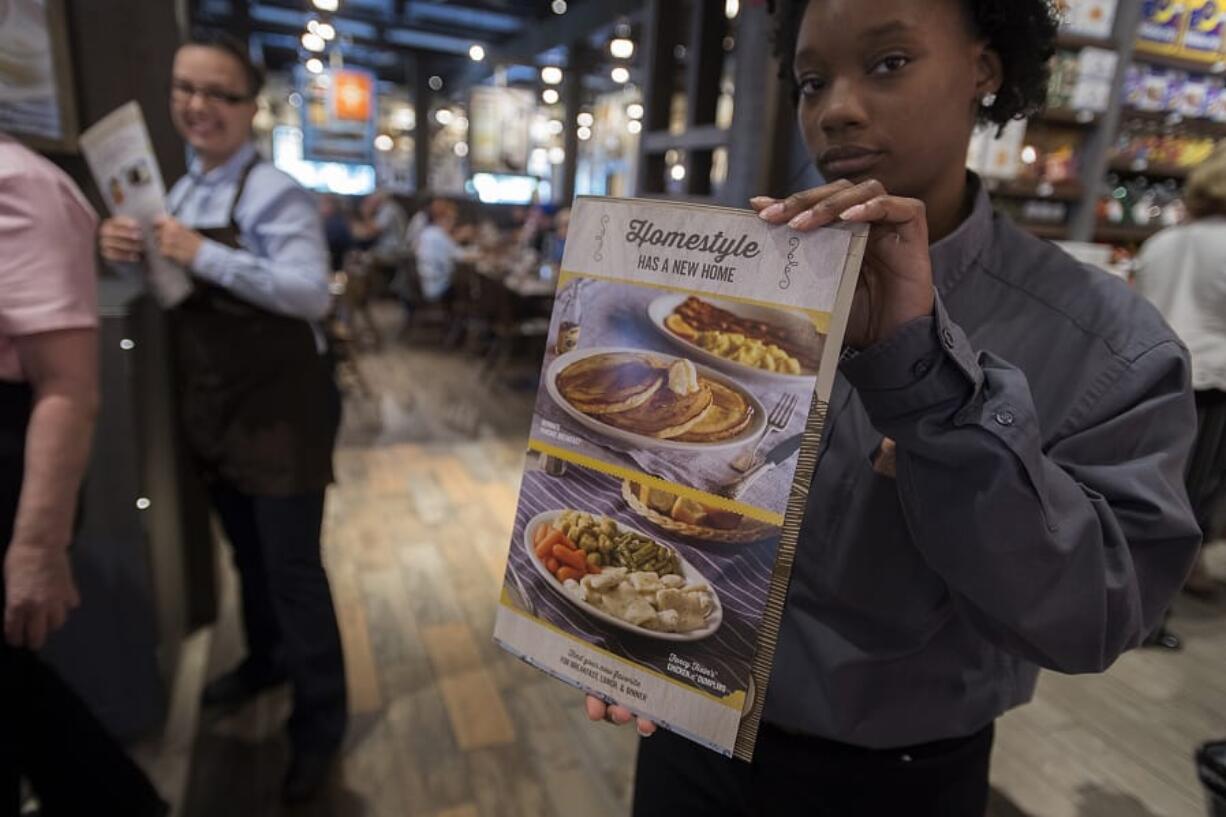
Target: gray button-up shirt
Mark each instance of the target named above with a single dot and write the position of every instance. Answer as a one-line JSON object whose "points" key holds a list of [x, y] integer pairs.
{"points": [[1037, 515]]}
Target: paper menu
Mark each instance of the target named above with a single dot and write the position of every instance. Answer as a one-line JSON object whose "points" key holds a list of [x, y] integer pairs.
{"points": [[120, 157], [692, 350]]}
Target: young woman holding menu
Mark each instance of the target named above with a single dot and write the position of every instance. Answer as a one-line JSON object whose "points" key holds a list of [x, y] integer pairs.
{"points": [[1001, 487]]}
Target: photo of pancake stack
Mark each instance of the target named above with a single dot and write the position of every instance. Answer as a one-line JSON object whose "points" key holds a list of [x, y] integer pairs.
{"points": [[655, 397]]}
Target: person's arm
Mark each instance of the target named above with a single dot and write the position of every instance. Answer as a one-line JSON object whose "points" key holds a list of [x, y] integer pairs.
{"points": [[62, 369], [290, 273], [1066, 554]]}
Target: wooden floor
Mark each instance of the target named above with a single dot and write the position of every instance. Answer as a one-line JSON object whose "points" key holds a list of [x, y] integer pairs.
{"points": [[445, 725]]}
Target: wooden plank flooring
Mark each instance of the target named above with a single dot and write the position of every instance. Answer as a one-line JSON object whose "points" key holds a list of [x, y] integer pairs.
{"points": [[446, 725]]}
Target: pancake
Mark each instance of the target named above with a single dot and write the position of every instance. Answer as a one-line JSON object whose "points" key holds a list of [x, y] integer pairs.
{"points": [[610, 383], [730, 414], [664, 416]]}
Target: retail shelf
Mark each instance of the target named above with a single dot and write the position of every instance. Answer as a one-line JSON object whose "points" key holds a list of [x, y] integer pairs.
{"points": [[1145, 169], [1123, 233], [1052, 232], [1081, 41], [1017, 189], [1180, 63], [1068, 116], [1195, 124]]}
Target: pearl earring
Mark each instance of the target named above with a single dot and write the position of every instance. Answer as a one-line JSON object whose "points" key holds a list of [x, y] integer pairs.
{"points": [[989, 99]]}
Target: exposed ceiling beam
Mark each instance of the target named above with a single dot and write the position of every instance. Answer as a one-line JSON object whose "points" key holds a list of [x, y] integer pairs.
{"points": [[560, 30]]}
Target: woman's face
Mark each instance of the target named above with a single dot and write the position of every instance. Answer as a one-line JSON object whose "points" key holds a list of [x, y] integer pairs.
{"points": [[889, 90]]}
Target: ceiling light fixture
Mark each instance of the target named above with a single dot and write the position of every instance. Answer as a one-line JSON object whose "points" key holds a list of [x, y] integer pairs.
{"points": [[313, 42], [383, 142], [634, 126], [620, 75], [634, 110], [584, 133], [326, 5], [315, 65], [551, 75], [326, 30], [585, 119], [435, 82], [444, 116], [476, 53], [558, 6], [621, 48], [461, 149], [732, 8], [550, 96]]}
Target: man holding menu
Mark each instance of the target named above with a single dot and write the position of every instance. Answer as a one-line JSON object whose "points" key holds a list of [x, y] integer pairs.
{"points": [[258, 404]]}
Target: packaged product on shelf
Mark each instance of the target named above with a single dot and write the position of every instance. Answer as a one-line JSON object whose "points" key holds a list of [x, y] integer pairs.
{"points": [[1162, 23], [1095, 73], [1004, 157], [1158, 86], [1063, 82], [1191, 100], [1090, 18], [1134, 86], [1215, 99], [1206, 29]]}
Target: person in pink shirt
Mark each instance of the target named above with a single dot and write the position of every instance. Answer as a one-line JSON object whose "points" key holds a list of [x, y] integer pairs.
{"points": [[48, 399]]}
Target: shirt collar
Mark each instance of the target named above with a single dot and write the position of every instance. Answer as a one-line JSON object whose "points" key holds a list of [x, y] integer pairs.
{"points": [[957, 252], [229, 170]]}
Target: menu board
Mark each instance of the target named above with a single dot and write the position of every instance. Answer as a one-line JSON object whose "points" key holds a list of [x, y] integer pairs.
{"points": [[36, 99], [692, 351], [498, 133], [339, 115]]}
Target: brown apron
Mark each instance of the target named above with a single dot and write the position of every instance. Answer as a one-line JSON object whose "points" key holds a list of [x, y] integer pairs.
{"points": [[259, 405]]}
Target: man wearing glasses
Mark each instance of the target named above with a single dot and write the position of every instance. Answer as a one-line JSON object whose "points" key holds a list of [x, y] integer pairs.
{"points": [[258, 404]]}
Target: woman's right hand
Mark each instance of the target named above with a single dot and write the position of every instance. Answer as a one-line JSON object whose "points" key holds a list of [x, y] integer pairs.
{"points": [[598, 710], [120, 239]]}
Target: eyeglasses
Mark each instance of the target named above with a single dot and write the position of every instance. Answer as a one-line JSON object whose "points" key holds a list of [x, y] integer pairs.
{"points": [[184, 91]]}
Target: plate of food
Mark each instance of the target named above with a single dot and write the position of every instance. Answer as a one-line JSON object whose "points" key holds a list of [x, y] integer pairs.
{"points": [[651, 400], [757, 341], [692, 519], [622, 576]]}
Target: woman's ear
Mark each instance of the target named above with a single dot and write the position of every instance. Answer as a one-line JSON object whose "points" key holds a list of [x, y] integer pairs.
{"points": [[989, 71]]}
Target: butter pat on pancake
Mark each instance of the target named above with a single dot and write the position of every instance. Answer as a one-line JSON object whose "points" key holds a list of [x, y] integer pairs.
{"points": [[611, 383]]}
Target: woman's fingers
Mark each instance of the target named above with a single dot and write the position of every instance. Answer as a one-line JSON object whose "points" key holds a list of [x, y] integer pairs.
{"points": [[885, 210], [828, 209], [598, 710], [781, 212]]}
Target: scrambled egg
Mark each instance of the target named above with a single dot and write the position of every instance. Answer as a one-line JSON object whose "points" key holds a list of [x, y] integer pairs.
{"points": [[748, 351]]}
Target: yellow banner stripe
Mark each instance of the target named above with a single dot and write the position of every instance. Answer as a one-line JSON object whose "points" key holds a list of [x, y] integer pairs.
{"points": [[711, 500], [821, 320]]}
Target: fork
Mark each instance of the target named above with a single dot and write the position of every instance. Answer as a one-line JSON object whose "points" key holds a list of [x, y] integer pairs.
{"points": [[776, 421]]}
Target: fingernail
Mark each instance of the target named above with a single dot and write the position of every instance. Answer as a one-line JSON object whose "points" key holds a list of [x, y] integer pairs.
{"points": [[760, 200], [853, 212], [774, 211], [801, 221]]}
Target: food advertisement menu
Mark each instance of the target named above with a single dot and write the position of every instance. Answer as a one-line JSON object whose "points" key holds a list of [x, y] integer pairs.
{"points": [[691, 353]]}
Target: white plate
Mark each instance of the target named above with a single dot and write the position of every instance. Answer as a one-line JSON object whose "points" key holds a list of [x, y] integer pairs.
{"points": [[659, 310], [688, 571], [750, 432]]}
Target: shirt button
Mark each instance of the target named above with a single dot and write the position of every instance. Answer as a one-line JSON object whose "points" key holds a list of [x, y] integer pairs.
{"points": [[1004, 418], [947, 335], [921, 368]]}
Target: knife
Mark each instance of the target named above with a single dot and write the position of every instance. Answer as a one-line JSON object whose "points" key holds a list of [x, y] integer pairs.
{"points": [[779, 454]]}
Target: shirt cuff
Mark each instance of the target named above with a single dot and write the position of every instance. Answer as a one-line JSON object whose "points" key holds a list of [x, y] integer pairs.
{"points": [[210, 262], [927, 363]]}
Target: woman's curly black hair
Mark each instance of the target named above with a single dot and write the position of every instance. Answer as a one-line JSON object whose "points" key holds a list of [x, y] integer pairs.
{"points": [[1022, 32]]}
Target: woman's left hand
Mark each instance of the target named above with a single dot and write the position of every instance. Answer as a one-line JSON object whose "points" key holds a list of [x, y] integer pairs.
{"points": [[896, 278], [177, 242]]}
